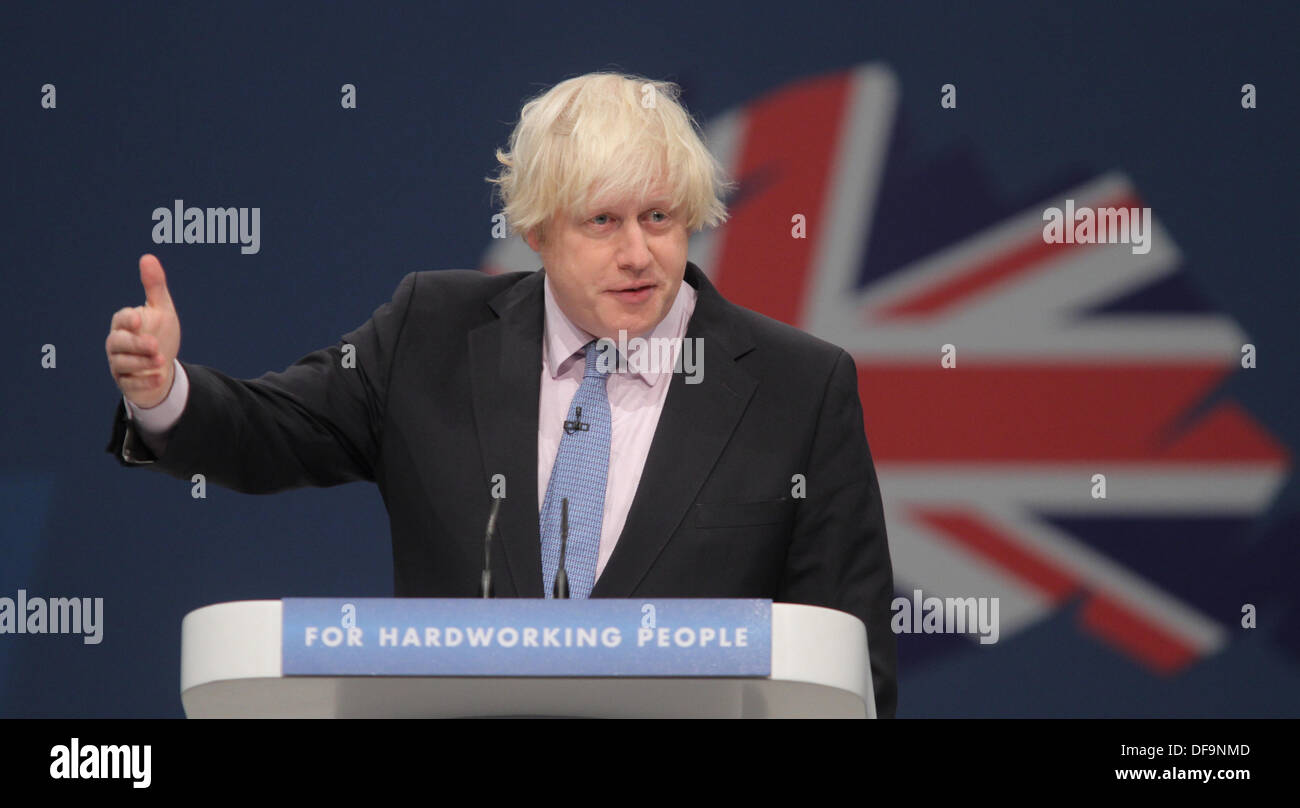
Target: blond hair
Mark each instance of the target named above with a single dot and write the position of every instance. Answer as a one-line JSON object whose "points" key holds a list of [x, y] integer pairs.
{"points": [[603, 137]]}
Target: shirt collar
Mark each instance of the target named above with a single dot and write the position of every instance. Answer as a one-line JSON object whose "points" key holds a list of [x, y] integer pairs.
{"points": [[563, 339]]}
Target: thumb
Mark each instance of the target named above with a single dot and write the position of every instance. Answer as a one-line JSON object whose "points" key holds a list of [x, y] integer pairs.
{"points": [[154, 281]]}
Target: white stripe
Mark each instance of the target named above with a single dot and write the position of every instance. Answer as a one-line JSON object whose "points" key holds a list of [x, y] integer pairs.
{"points": [[1101, 575], [511, 255], [953, 260], [1131, 488], [850, 205], [937, 566]]}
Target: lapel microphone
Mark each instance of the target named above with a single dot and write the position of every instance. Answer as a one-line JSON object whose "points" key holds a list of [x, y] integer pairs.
{"points": [[561, 590], [485, 580]]}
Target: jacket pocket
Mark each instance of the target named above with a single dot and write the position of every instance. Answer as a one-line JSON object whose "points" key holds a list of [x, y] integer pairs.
{"points": [[741, 514]]}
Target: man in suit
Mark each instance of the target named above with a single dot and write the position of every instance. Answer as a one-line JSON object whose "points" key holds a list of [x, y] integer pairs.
{"points": [[750, 477]]}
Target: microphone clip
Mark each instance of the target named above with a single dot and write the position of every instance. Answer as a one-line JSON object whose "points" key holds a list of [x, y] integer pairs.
{"points": [[577, 424]]}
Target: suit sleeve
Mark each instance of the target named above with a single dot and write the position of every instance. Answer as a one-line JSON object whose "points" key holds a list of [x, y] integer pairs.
{"points": [[317, 423], [839, 551]]}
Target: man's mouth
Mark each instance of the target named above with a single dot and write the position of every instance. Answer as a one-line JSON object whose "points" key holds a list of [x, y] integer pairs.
{"points": [[634, 293]]}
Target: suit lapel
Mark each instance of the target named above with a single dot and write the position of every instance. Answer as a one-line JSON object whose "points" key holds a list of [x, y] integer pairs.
{"points": [[695, 426], [505, 376]]}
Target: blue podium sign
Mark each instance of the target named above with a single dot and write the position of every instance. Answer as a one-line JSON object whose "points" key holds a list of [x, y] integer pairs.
{"points": [[518, 637]]}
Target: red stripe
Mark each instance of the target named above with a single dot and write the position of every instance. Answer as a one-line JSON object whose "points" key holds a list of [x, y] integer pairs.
{"points": [[1159, 649], [1032, 254], [789, 143], [1055, 413], [983, 539], [1132, 633]]}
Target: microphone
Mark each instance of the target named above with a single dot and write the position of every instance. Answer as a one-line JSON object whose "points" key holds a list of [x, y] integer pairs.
{"points": [[561, 590], [577, 424], [485, 580]]}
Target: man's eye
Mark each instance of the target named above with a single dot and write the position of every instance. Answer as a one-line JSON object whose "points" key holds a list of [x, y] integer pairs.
{"points": [[661, 216], [600, 220]]}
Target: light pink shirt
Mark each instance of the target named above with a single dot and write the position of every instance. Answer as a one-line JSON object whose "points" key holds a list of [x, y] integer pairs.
{"points": [[635, 401]]}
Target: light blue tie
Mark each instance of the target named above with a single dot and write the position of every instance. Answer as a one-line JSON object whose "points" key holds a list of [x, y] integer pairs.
{"points": [[580, 471]]}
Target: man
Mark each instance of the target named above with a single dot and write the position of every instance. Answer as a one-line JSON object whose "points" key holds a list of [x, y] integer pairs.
{"points": [[750, 477]]}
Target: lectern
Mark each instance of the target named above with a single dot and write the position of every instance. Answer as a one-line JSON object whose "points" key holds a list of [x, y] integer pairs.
{"points": [[598, 658]]}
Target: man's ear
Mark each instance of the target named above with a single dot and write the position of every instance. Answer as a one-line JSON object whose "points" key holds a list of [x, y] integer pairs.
{"points": [[534, 238]]}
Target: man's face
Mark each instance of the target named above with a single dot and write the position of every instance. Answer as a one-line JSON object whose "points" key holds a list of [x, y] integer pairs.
{"points": [[615, 266]]}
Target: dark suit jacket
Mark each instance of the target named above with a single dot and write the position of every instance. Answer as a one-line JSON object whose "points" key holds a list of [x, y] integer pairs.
{"points": [[443, 395]]}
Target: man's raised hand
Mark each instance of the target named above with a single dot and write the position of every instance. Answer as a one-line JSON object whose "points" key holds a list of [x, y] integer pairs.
{"points": [[143, 341]]}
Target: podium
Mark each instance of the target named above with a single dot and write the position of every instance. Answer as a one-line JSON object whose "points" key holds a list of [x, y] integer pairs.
{"points": [[234, 655]]}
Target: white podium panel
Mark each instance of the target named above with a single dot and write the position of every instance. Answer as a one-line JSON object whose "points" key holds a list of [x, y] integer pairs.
{"points": [[231, 668]]}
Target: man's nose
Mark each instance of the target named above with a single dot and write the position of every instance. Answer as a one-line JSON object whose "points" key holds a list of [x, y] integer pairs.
{"points": [[634, 249]]}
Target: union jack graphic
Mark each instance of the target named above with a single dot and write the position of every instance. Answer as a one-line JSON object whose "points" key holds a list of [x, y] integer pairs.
{"points": [[1072, 360]]}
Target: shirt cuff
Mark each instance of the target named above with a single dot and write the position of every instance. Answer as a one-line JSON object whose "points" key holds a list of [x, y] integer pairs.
{"points": [[155, 421]]}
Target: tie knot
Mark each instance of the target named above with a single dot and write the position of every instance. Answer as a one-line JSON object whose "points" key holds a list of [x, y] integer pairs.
{"points": [[594, 367]]}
